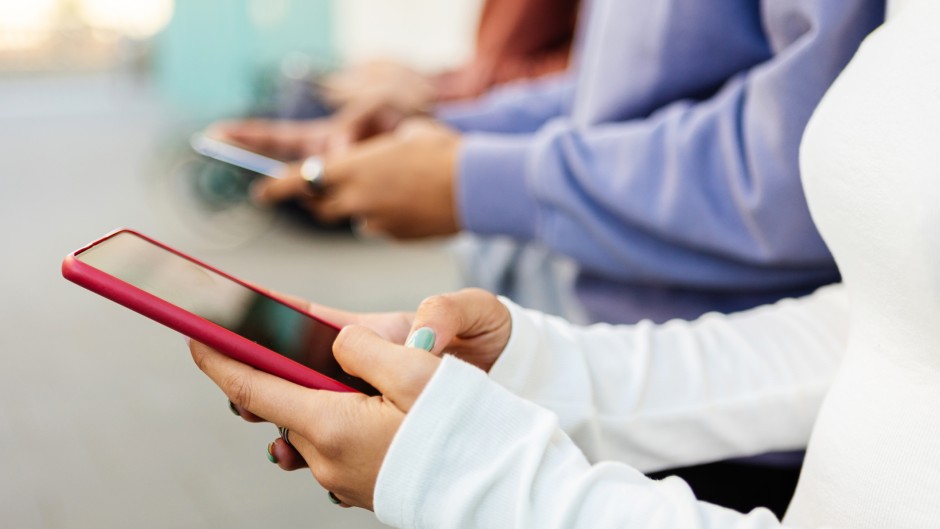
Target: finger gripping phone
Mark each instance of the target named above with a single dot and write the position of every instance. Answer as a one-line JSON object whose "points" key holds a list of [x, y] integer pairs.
{"points": [[212, 307]]}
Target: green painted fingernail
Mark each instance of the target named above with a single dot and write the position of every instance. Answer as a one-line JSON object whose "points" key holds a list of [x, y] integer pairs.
{"points": [[422, 338], [270, 453], [231, 406]]}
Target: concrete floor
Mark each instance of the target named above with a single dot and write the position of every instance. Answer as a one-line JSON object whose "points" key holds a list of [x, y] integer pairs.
{"points": [[104, 420]]}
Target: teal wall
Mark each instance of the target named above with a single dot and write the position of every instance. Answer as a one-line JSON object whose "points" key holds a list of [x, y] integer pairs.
{"points": [[209, 60]]}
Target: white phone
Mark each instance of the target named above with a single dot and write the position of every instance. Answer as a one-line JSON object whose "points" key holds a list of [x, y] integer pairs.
{"points": [[237, 156]]}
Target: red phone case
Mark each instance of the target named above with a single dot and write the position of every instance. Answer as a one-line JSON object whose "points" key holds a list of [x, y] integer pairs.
{"points": [[191, 325]]}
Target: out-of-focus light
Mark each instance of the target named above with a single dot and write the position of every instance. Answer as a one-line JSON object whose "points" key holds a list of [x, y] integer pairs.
{"points": [[266, 14], [26, 24], [138, 19], [103, 36], [296, 65]]}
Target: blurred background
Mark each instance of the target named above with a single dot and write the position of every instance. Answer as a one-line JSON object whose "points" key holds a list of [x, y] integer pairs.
{"points": [[104, 421]]}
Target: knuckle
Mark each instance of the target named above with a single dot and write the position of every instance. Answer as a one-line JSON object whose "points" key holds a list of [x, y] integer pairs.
{"points": [[439, 304], [441, 312], [474, 297], [474, 292], [200, 357], [238, 389]]}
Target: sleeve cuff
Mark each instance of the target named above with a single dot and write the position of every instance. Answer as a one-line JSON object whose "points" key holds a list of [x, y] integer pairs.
{"points": [[513, 365], [446, 453], [491, 186], [462, 115]]}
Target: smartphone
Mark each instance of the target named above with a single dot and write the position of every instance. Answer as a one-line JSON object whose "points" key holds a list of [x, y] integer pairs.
{"points": [[212, 307], [237, 156]]}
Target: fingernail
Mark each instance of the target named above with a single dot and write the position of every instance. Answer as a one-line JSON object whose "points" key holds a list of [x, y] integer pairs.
{"points": [[422, 338], [231, 406], [187, 340], [270, 453], [333, 499]]}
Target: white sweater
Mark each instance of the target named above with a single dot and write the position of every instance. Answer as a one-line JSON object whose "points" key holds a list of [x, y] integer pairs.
{"points": [[473, 454]]}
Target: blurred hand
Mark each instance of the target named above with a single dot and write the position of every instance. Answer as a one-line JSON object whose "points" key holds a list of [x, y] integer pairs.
{"points": [[294, 140], [366, 118], [343, 437], [400, 184], [379, 80]]}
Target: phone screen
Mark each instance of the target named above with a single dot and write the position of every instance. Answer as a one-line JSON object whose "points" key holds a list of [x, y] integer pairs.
{"points": [[214, 297], [237, 156]]}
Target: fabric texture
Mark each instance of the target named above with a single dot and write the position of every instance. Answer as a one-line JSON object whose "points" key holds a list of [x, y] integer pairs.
{"points": [[683, 393], [667, 158], [871, 167]]}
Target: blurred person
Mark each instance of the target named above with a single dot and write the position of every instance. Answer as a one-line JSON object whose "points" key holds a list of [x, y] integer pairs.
{"points": [[515, 40], [851, 370], [664, 164]]}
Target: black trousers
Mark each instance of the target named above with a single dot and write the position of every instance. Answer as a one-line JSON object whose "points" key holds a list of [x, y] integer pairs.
{"points": [[740, 486]]}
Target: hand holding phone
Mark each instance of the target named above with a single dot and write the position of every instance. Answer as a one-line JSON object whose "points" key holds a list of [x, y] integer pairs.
{"points": [[212, 307]]}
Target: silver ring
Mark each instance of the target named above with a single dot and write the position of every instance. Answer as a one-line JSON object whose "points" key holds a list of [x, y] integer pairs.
{"points": [[284, 433], [311, 170]]}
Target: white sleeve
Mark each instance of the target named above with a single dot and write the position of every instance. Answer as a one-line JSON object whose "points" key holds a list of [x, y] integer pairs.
{"points": [[470, 454], [682, 393]]}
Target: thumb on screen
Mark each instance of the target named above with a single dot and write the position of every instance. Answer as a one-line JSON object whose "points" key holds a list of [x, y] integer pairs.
{"points": [[399, 373]]}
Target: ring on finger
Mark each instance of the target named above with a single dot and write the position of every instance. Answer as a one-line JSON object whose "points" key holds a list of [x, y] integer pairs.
{"points": [[333, 499], [311, 170], [285, 433]]}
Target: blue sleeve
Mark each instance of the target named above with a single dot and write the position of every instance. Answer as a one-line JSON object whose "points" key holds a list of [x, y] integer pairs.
{"points": [[517, 108], [703, 194]]}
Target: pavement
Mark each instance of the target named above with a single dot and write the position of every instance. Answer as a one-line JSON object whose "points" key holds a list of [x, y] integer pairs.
{"points": [[104, 420]]}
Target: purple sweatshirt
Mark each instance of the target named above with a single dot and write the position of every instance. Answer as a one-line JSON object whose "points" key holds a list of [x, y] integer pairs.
{"points": [[666, 161]]}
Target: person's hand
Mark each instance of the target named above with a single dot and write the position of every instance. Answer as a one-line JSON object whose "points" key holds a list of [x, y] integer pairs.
{"points": [[368, 117], [471, 324], [400, 184], [379, 80], [342, 437], [295, 140], [391, 326]]}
